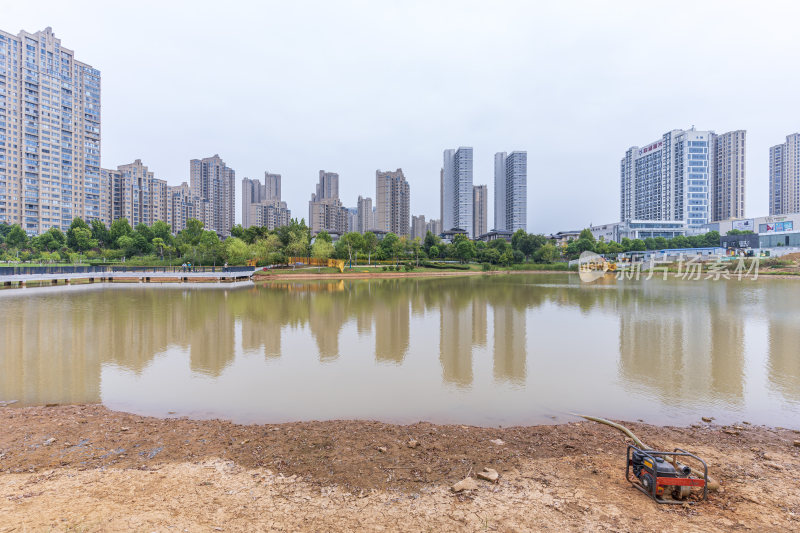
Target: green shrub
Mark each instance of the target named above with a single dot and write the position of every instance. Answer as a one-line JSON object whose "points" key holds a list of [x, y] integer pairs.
{"points": [[486, 267], [385, 268], [409, 267]]}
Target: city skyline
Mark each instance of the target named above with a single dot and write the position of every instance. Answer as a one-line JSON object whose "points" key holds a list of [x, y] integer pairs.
{"points": [[508, 95]]}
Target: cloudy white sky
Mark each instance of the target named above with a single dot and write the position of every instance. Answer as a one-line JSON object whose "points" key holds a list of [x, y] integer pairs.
{"points": [[351, 87]]}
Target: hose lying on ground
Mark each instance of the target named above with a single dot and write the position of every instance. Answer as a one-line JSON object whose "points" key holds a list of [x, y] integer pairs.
{"points": [[712, 484]]}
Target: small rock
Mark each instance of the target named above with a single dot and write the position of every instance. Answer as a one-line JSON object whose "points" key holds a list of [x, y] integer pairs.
{"points": [[489, 474], [774, 466], [738, 427], [428, 470], [465, 484], [49, 441], [768, 457], [124, 428], [498, 442], [413, 443], [382, 449], [730, 431], [797, 444], [707, 419], [245, 441]]}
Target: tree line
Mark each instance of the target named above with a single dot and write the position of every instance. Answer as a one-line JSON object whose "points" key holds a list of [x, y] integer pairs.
{"points": [[156, 244]]}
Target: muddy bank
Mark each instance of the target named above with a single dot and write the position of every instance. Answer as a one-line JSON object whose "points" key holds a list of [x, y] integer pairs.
{"points": [[90, 469]]}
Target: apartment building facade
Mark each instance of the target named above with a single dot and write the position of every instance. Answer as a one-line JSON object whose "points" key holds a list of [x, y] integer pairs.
{"points": [[511, 191], [456, 189], [50, 137], [784, 176], [213, 184], [393, 202], [325, 209], [418, 227], [480, 210]]}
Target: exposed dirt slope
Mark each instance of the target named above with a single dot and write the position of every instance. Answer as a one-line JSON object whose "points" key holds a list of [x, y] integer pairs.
{"points": [[109, 471]]}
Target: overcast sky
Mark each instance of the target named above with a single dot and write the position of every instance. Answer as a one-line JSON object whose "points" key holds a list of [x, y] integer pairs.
{"points": [[351, 87]]}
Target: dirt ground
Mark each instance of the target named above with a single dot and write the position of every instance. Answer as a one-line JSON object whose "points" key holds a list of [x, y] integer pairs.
{"points": [[85, 468]]}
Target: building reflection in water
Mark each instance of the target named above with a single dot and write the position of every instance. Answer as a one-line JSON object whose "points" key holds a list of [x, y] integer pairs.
{"points": [[679, 340], [684, 340]]}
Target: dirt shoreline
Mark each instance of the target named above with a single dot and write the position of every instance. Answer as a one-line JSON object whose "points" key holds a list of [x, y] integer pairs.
{"points": [[86, 468]]}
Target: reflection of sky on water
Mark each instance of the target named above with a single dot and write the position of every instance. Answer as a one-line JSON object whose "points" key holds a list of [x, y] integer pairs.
{"points": [[482, 350]]}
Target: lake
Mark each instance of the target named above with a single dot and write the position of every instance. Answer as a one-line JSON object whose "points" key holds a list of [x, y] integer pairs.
{"points": [[483, 350]]}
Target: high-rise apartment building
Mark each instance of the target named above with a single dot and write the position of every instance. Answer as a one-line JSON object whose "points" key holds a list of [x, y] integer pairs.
{"points": [[325, 210], [393, 202], [669, 179], [511, 191], [456, 186], [727, 186], [784, 176], [49, 134], [252, 190], [272, 186], [434, 226], [213, 183], [418, 227], [352, 219], [261, 202], [480, 210], [136, 195], [270, 214], [366, 215], [183, 206]]}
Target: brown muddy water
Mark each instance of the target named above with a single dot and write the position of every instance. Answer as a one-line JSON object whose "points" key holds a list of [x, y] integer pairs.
{"points": [[483, 350]]}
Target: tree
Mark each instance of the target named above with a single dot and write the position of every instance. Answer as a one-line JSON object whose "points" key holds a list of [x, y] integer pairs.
{"points": [[434, 252], [322, 249], [158, 242], [637, 245], [679, 241], [352, 241], [712, 239], [235, 251], [192, 232], [298, 245], [431, 240], [119, 228], [126, 243], [465, 250], [239, 232], [77, 223], [391, 246], [81, 239], [161, 230], [586, 233], [100, 233], [145, 231], [324, 236], [546, 254], [369, 244], [16, 238], [531, 243], [52, 239], [517, 238], [210, 246]]}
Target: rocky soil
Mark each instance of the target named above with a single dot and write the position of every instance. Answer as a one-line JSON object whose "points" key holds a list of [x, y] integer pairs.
{"points": [[84, 468]]}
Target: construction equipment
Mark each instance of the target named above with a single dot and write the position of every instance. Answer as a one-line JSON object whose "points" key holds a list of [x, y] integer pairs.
{"points": [[662, 477], [659, 474]]}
